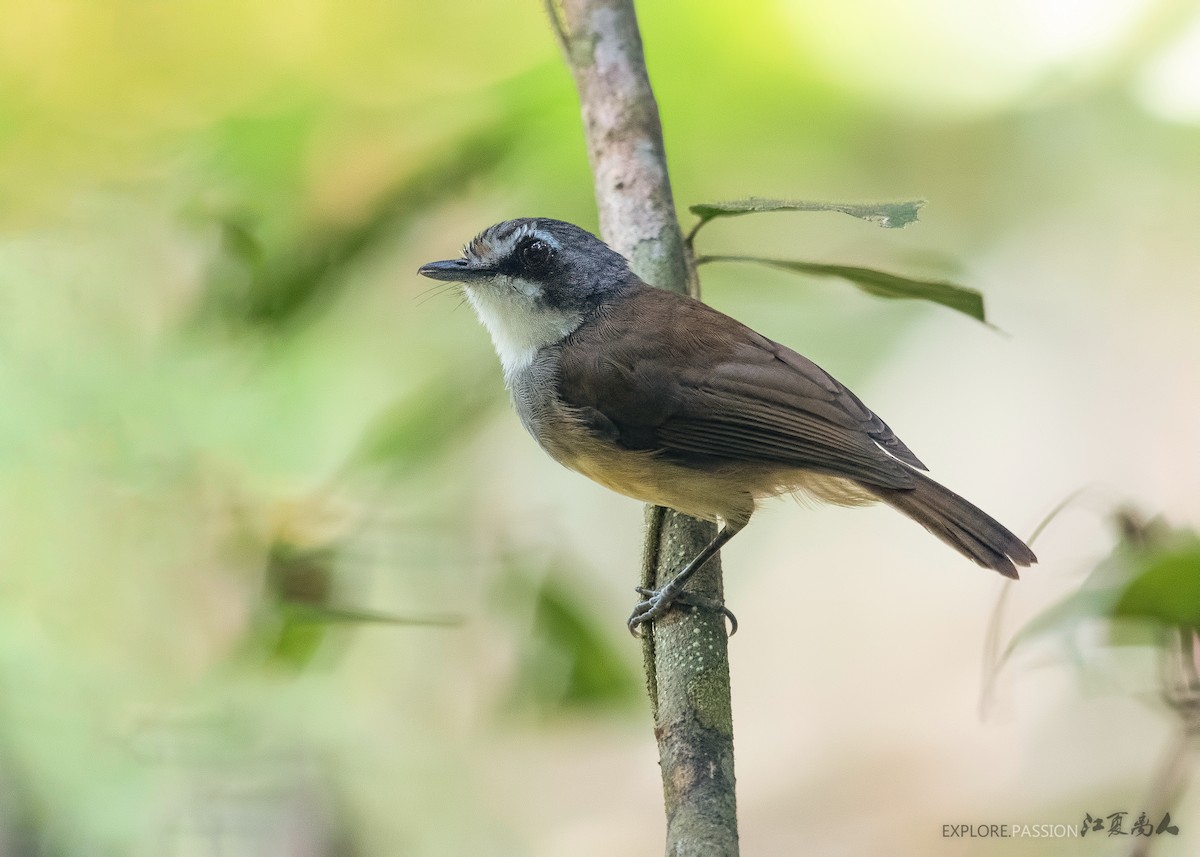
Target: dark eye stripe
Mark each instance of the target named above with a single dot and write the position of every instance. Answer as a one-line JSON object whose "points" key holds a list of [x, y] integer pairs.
{"points": [[536, 252]]}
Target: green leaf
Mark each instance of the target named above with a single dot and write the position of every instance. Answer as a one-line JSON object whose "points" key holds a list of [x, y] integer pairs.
{"points": [[890, 215], [878, 283], [1167, 590]]}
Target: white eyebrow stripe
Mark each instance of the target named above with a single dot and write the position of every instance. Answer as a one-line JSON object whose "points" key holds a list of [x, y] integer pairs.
{"points": [[488, 248]]}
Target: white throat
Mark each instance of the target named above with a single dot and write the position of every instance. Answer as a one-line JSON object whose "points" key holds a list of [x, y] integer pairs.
{"points": [[508, 308]]}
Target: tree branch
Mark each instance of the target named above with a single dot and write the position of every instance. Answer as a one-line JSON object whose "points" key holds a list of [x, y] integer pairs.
{"points": [[687, 666]]}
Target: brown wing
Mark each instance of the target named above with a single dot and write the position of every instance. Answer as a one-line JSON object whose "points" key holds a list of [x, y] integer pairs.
{"points": [[699, 387]]}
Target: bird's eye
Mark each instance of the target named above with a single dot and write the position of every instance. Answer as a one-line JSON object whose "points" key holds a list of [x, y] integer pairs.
{"points": [[536, 254]]}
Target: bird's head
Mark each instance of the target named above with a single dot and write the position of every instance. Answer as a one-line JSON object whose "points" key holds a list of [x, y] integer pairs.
{"points": [[533, 281]]}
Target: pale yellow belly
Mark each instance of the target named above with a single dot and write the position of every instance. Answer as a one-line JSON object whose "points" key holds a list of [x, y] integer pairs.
{"points": [[726, 492]]}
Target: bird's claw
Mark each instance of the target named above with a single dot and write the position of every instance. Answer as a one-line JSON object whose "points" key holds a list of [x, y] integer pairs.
{"points": [[658, 602]]}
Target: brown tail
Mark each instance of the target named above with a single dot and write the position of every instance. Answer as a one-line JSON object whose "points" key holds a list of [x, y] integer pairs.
{"points": [[963, 526]]}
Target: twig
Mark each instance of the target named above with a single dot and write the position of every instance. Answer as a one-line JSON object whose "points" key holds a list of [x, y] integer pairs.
{"points": [[685, 652]]}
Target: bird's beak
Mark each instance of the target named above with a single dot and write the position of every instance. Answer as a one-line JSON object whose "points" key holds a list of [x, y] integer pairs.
{"points": [[456, 271]]}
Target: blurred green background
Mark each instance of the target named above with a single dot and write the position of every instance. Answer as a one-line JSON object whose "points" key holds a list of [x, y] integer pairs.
{"points": [[280, 574]]}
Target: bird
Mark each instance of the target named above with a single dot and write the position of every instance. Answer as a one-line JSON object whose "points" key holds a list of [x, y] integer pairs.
{"points": [[664, 399]]}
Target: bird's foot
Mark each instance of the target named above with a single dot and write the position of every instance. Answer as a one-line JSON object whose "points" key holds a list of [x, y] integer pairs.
{"points": [[659, 601]]}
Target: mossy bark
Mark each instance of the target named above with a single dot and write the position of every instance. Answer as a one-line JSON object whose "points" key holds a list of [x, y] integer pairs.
{"points": [[687, 666]]}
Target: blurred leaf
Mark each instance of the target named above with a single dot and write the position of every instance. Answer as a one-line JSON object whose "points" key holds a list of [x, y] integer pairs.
{"points": [[569, 657], [294, 645], [306, 614], [1153, 573], [1167, 590], [242, 243], [432, 421], [890, 215], [25, 831], [297, 577], [262, 149], [300, 575], [312, 271], [878, 283], [1064, 616], [571, 642], [1095, 599], [299, 610]]}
